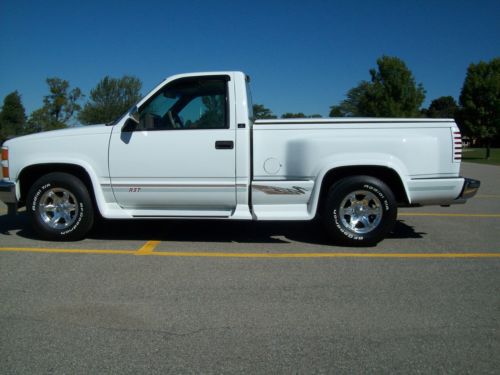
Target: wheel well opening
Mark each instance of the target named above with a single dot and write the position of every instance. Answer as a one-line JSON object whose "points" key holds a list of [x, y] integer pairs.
{"points": [[387, 175], [30, 174]]}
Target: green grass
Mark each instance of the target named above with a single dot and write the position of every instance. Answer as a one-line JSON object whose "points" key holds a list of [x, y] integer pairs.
{"points": [[476, 155]]}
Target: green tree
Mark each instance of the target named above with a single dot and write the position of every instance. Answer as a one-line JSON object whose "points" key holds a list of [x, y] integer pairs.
{"points": [[391, 92], [293, 115], [62, 103], [110, 99], [41, 120], [58, 107], [480, 102], [350, 106], [213, 117], [442, 107], [261, 112], [12, 117]]}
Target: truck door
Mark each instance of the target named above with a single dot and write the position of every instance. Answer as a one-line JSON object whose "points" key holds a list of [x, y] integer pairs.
{"points": [[180, 158]]}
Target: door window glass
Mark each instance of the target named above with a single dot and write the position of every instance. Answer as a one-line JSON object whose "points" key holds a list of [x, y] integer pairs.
{"points": [[199, 103]]}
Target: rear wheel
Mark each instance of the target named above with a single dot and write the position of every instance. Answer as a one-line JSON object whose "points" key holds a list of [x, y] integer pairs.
{"points": [[360, 210], [60, 207]]}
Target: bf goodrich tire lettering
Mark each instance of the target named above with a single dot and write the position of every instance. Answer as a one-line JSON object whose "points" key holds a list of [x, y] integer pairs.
{"points": [[360, 210], [60, 207]]}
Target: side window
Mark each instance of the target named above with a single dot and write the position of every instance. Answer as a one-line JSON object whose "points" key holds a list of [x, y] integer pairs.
{"points": [[198, 103], [204, 112]]}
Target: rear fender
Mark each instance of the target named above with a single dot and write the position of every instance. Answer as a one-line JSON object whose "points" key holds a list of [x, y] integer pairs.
{"points": [[359, 166]]}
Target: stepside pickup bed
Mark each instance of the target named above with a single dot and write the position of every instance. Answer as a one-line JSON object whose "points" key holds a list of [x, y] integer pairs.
{"points": [[191, 149]]}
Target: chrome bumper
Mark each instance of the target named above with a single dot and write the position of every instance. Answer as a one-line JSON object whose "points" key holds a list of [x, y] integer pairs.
{"points": [[8, 195], [469, 189]]}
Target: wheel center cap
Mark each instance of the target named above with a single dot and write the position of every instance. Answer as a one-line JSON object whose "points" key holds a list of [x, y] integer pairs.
{"points": [[359, 210]]}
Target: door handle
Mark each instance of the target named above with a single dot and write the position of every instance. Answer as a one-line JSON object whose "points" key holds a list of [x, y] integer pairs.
{"points": [[224, 145]]}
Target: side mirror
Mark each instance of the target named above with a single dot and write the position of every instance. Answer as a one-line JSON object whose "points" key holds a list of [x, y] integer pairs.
{"points": [[132, 122]]}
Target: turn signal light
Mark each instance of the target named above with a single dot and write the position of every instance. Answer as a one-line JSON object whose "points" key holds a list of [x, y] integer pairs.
{"points": [[5, 163]]}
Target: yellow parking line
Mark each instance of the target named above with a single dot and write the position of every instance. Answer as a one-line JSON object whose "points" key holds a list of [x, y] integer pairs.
{"points": [[447, 215], [326, 255], [147, 248], [64, 251], [252, 255]]}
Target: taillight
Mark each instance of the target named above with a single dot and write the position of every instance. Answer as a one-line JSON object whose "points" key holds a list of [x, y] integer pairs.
{"points": [[5, 162], [457, 145]]}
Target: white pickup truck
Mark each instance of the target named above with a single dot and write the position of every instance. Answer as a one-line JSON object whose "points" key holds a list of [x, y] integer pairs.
{"points": [[192, 149]]}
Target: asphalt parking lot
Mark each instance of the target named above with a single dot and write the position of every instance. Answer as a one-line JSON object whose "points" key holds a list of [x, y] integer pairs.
{"points": [[226, 297]]}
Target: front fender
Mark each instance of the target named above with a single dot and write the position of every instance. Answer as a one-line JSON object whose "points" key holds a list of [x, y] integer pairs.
{"points": [[68, 164]]}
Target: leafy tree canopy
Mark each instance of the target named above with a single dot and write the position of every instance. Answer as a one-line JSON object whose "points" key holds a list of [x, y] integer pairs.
{"points": [[214, 114], [58, 107], [110, 99], [261, 112], [391, 92], [442, 107], [42, 120], [350, 106], [12, 117], [480, 101], [61, 103], [293, 115]]}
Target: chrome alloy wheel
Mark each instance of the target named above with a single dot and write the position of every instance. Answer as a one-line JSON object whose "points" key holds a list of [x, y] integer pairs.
{"points": [[361, 211], [58, 208]]}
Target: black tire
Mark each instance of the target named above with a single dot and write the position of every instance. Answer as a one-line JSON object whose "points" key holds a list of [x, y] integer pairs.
{"points": [[359, 211], [60, 207]]}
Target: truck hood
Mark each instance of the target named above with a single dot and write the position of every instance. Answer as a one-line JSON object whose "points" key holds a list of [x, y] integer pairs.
{"points": [[62, 133]]}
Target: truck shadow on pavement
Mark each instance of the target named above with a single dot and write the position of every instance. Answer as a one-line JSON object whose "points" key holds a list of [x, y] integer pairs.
{"points": [[201, 231]]}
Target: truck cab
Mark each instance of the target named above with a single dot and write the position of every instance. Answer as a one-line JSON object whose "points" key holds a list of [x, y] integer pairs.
{"points": [[189, 141]]}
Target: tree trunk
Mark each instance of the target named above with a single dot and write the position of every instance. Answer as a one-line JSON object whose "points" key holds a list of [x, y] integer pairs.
{"points": [[488, 149]]}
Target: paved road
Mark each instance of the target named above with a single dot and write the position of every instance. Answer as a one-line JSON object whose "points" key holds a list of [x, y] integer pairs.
{"points": [[122, 302]]}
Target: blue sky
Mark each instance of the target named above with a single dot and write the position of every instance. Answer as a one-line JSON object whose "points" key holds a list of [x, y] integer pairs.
{"points": [[303, 56]]}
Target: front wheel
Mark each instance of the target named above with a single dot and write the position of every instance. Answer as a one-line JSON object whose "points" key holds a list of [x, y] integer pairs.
{"points": [[60, 207], [359, 210]]}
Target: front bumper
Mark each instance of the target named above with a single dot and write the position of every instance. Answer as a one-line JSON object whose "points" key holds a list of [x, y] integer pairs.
{"points": [[8, 195], [8, 192]]}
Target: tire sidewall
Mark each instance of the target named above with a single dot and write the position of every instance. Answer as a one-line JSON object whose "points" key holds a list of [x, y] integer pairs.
{"points": [[340, 191], [84, 218]]}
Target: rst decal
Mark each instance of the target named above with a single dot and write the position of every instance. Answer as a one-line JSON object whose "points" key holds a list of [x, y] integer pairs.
{"points": [[134, 190]]}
